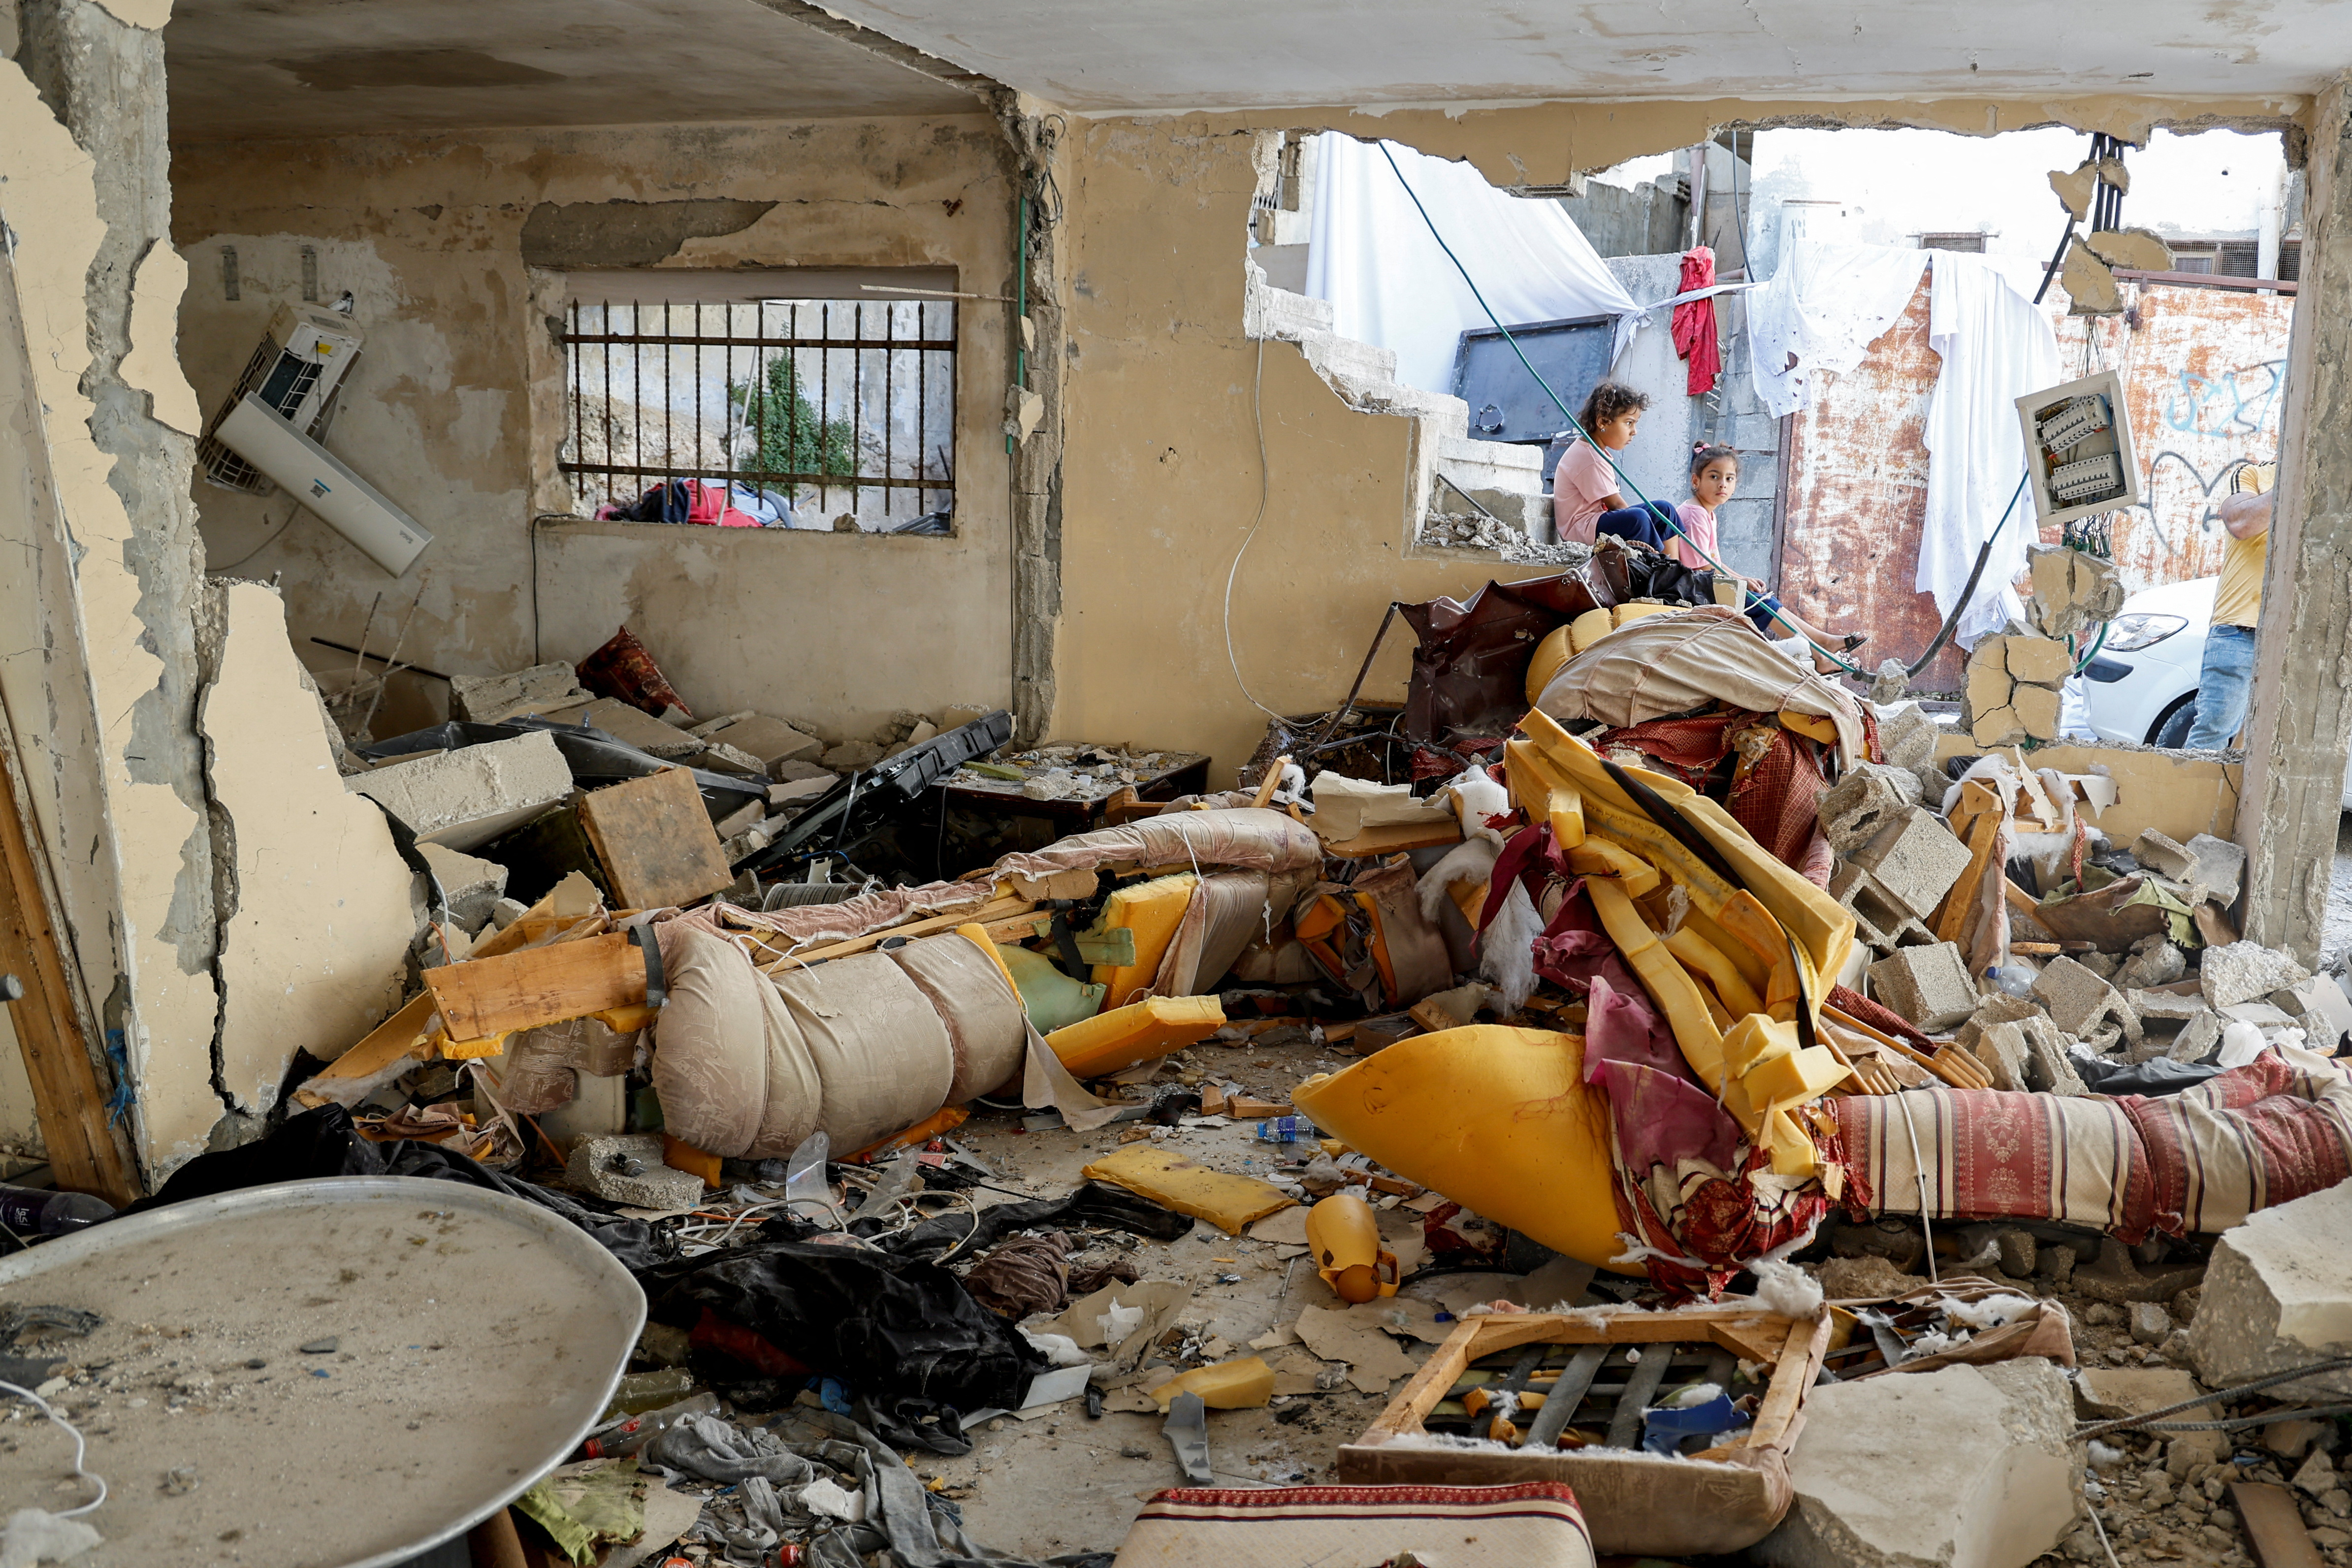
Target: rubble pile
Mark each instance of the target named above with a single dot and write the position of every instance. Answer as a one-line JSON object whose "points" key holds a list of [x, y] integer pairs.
{"points": [[1859, 1154]]}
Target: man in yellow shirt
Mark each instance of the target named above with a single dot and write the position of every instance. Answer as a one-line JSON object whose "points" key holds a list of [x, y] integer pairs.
{"points": [[2229, 671]]}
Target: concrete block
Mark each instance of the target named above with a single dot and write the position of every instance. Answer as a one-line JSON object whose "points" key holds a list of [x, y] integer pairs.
{"points": [[2047, 1069], [1880, 921], [2040, 661], [484, 699], [1999, 726], [721, 757], [1965, 1467], [2072, 591], [2150, 1324], [635, 726], [1907, 736], [2244, 970], [472, 885], [2262, 1015], [2278, 1295], [1930, 985], [771, 740], [2196, 1039], [1914, 858], [2161, 853], [2078, 1000], [2220, 865], [1988, 682], [627, 1168], [2153, 961], [2037, 710], [2165, 1007], [2325, 1013], [1855, 807], [464, 799], [2003, 1049]]}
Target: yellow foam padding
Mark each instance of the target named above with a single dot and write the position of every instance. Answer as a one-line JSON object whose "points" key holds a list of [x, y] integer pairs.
{"points": [[1599, 857], [977, 935], [1626, 614], [1780, 995], [1812, 726], [1343, 1238], [1166, 1178], [468, 1049], [1151, 909], [1242, 1384], [1590, 628], [1754, 1040], [1137, 1032], [1554, 651], [1565, 813], [1753, 969], [1317, 920], [1668, 983], [1794, 1152], [1704, 957], [1470, 898], [681, 1155], [1808, 913], [1497, 1119], [1795, 1076], [1715, 1007]]}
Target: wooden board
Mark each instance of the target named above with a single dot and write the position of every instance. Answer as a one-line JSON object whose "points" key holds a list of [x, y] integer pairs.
{"points": [[486, 998], [656, 841], [2274, 1525], [1635, 1504], [406, 1035], [52, 1022], [1397, 836]]}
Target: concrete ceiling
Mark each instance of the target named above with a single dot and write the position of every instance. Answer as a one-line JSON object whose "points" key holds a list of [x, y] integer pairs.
{"points": [[1096, 55], [243, 69]]}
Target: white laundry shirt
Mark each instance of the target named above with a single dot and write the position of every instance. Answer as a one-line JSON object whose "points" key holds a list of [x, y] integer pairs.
{"points": [[1821, 311]]}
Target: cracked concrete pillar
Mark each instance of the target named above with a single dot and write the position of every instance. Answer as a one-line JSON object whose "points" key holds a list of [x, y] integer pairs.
{"points": [[89, 201], [2300, 722], [1037, 158]]}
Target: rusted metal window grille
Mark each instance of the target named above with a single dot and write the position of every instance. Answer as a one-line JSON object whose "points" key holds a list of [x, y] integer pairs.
{"points": [[810, 410]]}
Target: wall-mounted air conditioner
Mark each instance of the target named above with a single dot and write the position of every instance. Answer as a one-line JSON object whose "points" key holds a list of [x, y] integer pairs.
{"points": [[295, 372], [261, 436]]}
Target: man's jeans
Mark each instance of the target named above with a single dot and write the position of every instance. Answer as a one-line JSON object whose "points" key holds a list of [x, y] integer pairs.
{"points": [[2222, 687]]}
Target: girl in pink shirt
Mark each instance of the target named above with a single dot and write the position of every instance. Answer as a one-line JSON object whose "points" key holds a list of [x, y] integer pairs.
{"points": [[1715, 475], [1585, 498]]}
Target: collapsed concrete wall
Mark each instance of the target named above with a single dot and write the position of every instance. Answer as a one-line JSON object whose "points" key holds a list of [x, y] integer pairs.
{"points": [[456, 249]]}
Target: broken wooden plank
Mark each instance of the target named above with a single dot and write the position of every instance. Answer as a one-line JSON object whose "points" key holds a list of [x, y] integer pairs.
{"points": [[1952, 918], [1396, 836], [406, 1035], [1270, 781], [54, 1025], [655, 840], [486, 998], [2273, 1525]]}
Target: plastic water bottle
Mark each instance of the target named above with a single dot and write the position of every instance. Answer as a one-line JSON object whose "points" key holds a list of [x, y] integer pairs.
{"points": [[42, 1212], [1285, 1129], [626, 1437]]}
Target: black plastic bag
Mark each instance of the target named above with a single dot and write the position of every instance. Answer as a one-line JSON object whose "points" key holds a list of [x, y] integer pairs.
{"points": [[903, 1332]]}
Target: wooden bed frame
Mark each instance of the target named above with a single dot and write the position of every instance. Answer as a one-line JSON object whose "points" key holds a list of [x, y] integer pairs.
{"points": [[1635, 1503]]}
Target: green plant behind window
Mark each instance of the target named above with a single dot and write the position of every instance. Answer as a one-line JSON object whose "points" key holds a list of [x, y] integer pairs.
{"points": [[792, 437]]}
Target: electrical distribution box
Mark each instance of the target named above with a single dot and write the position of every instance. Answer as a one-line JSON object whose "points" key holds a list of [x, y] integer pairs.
{"points": [[2078, 450]]}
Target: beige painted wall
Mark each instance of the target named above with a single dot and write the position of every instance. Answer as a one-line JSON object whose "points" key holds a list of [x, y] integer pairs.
{"points": [[1160, 471], [456, 412]]}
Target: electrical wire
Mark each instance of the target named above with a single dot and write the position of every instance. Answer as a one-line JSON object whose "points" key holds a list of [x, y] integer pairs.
{"points": [[276, 534], [1663, 516], [81, 1447], [1265, 487]]}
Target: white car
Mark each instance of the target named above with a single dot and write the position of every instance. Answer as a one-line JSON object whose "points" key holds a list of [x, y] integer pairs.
{"points": [[2141, 686]]}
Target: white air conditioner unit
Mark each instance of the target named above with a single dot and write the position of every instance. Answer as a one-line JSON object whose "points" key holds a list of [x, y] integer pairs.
{"points": [[296, 372], [355, 509]]}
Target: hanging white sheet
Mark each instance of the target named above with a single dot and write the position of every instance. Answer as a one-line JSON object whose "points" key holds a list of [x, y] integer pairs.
{"points": [[1391, 285], [1996, 345], [1820, 311]]}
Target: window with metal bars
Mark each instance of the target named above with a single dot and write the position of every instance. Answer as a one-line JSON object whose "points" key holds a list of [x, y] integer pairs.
{"points": [[806, 414]]}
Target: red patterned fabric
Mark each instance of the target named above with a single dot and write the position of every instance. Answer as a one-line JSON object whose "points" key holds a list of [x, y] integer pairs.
{"points": [[1776, 794], [2197, 1162], [622, 670], [1885, 1020], [1697, 1229], [1535, 1524]]}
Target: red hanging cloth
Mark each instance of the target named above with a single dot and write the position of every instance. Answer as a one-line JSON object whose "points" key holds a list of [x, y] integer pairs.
{"points": [[1695, 337]]}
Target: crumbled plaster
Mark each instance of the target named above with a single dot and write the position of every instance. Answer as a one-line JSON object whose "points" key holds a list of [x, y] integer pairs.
{"points": [[153, 365], [628, 233], [317, 908]]}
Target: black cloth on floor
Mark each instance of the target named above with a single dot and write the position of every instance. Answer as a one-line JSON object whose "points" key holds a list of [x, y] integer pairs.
{"points": [[325, 1143], [896, 1329], [2151, 1079]]}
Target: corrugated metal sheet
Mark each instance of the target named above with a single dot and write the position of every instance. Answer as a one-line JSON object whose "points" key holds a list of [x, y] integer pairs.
{"points": [[2203, 374]]}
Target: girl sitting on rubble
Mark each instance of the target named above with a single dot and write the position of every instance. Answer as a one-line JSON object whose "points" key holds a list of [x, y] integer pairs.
{"points": [[1585, 498], [1714, 475]]}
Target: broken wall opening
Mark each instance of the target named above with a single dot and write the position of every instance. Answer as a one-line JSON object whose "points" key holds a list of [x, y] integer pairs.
{"points": [[464, 255]]}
